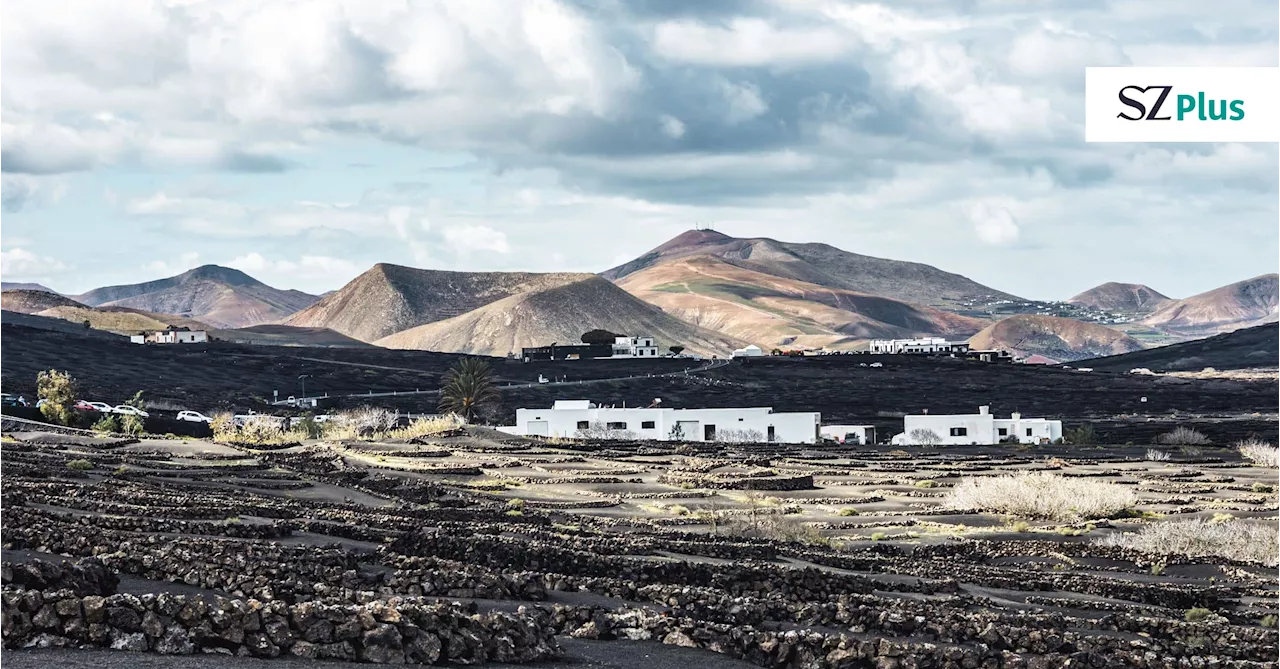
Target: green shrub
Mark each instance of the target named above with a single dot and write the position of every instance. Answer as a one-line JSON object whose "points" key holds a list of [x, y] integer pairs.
{"points": [[1196, 615], [1269, 621], [108, 423], [879, 536], [58, 390], [1262, 487], [79, 465], [132, 425], [926, 484], [1020, 526], [848, 511], [1080, 436]]}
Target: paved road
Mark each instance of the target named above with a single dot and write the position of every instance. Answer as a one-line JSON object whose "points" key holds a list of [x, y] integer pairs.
{"points": [[580, 654]]}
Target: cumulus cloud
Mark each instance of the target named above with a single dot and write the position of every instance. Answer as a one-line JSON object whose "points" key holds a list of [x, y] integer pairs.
{"points": [[21, 191], [19, 263], [292, 272], [993, 223], [170, 267], [472, 237]]}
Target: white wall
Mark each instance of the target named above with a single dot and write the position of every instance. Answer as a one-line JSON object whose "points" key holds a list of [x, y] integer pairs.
{"points": [[980, 428], [570, 417]]}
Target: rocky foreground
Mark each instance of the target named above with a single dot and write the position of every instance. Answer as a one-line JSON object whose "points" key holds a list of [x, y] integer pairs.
{"points": [[300, 553]]}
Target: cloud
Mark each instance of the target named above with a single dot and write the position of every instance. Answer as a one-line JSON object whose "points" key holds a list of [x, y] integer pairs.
{"points": [[22, 191], [993, 224], [182, 263], [472, 237], [304, 268], [22, 264]]}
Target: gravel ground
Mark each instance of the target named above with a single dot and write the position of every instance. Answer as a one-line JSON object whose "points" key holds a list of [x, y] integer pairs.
{"points": [[581, 654]]}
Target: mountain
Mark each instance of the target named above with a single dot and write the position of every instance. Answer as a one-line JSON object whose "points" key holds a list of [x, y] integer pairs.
{"points": [[1258, 346], [120, 320], [390, 298], [1121, 297], [558, 314], [28, 301], [1231, 307], [1053, 337], [817, 264], [220, 296], [10, 285]]}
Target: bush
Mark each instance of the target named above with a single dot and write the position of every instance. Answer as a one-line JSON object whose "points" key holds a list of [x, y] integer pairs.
{"points": [[80, 465], [1232, 539], [1196, 615], [923, 437], [132, 425], [1262, 487], [1183, 436], [108, 423], [600, 430], [732, 436], [1042, 495], [1156, 455], [426, 427], [926, 483], [223, 426], [58, 390], [848, 511], [1082, 435], [1258, 452], [1269, 621]]}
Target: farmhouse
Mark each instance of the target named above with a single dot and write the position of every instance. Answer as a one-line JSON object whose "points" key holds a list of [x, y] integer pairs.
{"points": [[918, 346], [622, 347], [979, 428], [748, 351], [171, 335], [570, 418]]}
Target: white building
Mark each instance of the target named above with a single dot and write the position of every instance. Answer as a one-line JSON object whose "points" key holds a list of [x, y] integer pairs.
{"points": [[850, 434], [171, 336], [925, 345], [748, 351], [634, 347], [980, 428], [567, 418]]}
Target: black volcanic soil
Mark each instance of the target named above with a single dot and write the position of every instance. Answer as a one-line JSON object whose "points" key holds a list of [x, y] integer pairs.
{"points": [[1242, 349]]}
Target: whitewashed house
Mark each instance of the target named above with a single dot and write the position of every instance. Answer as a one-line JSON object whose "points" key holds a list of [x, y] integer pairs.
{"points": [[634, 347], [748, 351], [980, 428], [924, 345], [172, 335], [571, 418]]}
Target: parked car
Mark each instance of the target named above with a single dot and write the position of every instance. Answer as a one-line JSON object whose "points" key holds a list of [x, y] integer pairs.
{"points": [[131, 411], [194, 417], [102, 406], [13, 400], [82, 405]]}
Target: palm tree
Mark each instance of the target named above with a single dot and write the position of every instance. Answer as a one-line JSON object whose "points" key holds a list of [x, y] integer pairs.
{"points": [[468, 388]]}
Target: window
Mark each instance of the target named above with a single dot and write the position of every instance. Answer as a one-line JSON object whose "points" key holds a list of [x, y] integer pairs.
{"points": [[1028, 432], [646, 425], [584, 425], [1004, 431], [959, 431], [617, 426]]}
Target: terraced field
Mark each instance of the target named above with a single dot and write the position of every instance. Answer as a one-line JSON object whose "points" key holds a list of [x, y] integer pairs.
{"points": [[471, 546]]}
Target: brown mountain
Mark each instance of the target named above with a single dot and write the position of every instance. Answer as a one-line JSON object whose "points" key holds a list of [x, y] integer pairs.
{"points": [[1059, 338], [1231, 307], [768, 293], [120, 320], [820, 265], [558, 314], [11, 285], [34, 301], [1121, 297], [390, 298], [220, 296]]}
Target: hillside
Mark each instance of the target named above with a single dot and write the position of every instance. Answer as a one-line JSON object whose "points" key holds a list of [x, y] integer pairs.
{"points": [[120, 320], [34, 301], [286, 335], [12, 285], [557, 314], [816, 264], [220, 296], [390, 298], [1242, 349], [1121, 297], [774, 311], [18, 319], [1058, 338], [1231, 307]]}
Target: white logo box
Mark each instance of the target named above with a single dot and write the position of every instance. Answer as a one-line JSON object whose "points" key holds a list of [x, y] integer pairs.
{"points": [[1257, 89]]}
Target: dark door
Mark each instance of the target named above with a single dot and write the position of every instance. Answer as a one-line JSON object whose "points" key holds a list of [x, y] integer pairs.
{"points": [[773, 435], [708, 433]]}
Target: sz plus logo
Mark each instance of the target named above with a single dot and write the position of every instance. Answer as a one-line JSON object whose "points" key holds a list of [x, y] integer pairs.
{"points": [[1182, 104], [1148, 103]]}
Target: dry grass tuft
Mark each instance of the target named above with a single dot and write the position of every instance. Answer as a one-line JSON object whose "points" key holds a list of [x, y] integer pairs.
{"points": [[1156, 455], [427, 427], [1259, 452], [1233, 539], [1183, 436], [1042, 495]]}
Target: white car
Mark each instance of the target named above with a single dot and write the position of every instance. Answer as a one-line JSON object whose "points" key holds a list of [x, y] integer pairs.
{"points": [[131, 411], [102, 407], [194, 417]]}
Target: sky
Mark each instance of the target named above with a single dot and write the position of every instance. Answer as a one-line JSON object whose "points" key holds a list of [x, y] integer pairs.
{"points": [[302, 142]]}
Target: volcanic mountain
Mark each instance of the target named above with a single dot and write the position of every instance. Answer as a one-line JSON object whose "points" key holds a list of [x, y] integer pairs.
{"points": [[120, 320], [1121, 297], [1245, 348], [34, 301], [1065, 339], [390, 298], [11, 285], [776, 294], [1238, 305], [558, 314], [220, 296]]}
